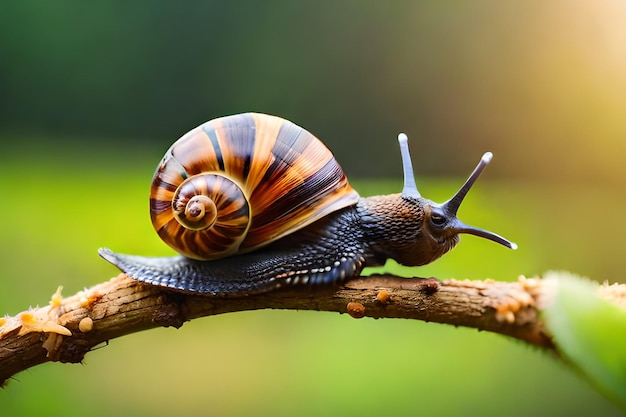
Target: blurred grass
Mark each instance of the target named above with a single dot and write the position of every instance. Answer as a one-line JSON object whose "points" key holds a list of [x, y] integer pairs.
{"points": [[57, 211]]}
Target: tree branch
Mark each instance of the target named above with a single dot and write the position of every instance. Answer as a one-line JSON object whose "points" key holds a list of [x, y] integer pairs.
{"points": [[68, 328]]}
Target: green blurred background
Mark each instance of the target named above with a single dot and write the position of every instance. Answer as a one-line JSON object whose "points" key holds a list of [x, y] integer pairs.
{"points": [[92, 93]]}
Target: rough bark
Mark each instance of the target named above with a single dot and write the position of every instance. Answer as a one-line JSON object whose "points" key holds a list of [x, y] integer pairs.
{"points": [[68, 328]]}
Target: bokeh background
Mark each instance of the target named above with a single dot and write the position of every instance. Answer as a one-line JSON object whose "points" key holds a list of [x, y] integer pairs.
{"points": [[93, 93]]}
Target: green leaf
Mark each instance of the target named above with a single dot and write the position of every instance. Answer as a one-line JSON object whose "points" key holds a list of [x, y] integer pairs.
{"points": [[590, 332]]}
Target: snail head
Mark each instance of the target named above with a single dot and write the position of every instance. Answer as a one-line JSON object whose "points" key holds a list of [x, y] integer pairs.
{"points": [[440, 227]]}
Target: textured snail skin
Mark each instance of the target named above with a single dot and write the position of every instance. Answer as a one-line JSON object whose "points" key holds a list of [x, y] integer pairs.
{"points": [[329, 251], [326, 252]]}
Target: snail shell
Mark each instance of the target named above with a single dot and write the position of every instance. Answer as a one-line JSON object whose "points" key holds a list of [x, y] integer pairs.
{"points": [[237, 183]]}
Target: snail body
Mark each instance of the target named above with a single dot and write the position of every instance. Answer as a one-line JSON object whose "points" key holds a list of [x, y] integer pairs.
{"points": [[253, 203]]}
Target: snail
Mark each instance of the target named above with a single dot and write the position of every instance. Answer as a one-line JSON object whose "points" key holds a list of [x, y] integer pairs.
{"points": [[253, 202]]}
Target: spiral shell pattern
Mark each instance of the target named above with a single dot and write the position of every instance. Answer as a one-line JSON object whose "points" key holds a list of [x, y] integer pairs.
{"points": [[237, 183]]}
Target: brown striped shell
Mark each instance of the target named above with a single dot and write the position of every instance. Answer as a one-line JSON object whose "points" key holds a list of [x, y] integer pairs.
{"points": [[237, 183]]}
